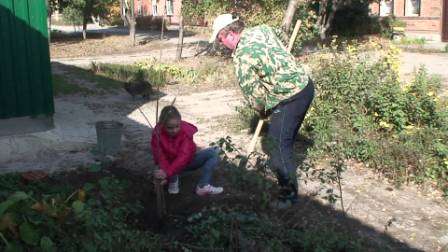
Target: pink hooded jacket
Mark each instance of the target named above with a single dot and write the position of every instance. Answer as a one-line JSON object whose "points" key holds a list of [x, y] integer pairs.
{"points": [[173, 154]]}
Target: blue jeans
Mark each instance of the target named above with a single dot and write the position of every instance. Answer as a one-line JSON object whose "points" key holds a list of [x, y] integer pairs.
{"points": [[207, 160], [286, 119]]}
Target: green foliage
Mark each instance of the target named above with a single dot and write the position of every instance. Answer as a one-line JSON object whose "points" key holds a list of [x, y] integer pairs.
{"points": [[251, 231], [387, 25], [354, 20], [254, 12], [393, 127], [212, 72], [410, 41], [158, 74], [72, 14], [50, 218], [207, 9], [78, 11]]}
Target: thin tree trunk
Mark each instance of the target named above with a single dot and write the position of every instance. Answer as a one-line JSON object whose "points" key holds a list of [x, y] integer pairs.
{"points": [[323, 17], [132, 22], [123, 12], [329, 17], [84, 29], [162, 28], [289, 15], [87, 13], [180, 43]]}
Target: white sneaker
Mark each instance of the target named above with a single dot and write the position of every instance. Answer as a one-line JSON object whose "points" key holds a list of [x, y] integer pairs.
{"points": [[208, 190], [173, 188]]}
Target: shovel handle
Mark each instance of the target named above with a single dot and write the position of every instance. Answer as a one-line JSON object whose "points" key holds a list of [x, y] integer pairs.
{"points": [[255, 137]]}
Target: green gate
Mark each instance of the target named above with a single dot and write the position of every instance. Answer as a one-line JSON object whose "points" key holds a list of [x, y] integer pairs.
{"points": [[25, 72]]}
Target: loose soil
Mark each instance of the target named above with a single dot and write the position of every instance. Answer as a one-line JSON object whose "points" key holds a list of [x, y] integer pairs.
{"points": [[402, 218], [390, 217]]}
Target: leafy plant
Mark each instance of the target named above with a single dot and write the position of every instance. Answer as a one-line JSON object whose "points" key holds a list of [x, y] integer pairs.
{"points": [[377, 119], [94, 217]]}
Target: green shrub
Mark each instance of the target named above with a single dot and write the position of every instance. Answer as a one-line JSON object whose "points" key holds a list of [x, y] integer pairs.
{"points": [[387, 24], [415, 41], [398, 129], [257, 232], [42, 216], [156, 74], [253, 12]]}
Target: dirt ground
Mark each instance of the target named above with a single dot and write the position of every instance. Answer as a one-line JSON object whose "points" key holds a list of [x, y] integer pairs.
{"points": [[414, 216], [99, 44]]}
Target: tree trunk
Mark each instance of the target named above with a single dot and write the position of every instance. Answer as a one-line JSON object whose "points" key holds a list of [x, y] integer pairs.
{"points": [[87, 14], [132, 22], [162, 28], [123, 12], [289, 15], [84, 29], [180, 43], [328, 16]]}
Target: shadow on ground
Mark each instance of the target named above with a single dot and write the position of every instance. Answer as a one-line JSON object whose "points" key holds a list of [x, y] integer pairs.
{"points": [[247, 193], [309, 225]]}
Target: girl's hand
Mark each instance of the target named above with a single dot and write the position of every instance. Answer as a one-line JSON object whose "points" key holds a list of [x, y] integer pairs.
{"points": [[157, 181], [160, 174]]}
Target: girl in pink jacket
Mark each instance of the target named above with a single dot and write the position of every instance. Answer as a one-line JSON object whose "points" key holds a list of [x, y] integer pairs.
{"points": [[174, 151]]}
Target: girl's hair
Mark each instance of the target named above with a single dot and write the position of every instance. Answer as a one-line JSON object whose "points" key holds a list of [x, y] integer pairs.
{"points": [[168, 112]]}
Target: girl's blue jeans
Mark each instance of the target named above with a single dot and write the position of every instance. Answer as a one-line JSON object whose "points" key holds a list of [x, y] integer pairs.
{"points": [[207, 160]]}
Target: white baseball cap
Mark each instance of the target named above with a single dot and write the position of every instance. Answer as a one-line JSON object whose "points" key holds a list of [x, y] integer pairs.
{"points": [[219, 23]]}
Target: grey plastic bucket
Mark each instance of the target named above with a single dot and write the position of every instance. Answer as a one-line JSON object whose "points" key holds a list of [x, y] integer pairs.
{"points": [[108, 134]]}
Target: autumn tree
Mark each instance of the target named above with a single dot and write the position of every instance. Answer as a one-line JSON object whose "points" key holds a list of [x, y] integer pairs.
{"points": [[81, 12]]}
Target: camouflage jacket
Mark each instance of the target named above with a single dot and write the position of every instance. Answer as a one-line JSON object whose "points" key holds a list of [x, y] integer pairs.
{"points": [[266, 71]]}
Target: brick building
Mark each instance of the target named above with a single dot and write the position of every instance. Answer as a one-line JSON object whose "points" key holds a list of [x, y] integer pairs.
{"points": [[169, 8], [428, 18]]}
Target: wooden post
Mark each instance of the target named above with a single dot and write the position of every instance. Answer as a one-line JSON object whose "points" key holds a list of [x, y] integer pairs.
{"points": [[180, 42]]}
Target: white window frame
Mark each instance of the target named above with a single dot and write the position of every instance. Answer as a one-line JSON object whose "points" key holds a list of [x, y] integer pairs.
{"points": [[169, 7], [154, 7], [382, 5], [408, 11], [139, 8]]}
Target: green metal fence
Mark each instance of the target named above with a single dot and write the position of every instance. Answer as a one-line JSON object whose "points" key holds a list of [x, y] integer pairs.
{"points": [[25, 73]]}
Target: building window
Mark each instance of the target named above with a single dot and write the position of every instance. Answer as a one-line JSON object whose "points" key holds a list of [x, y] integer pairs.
{"points": [[169, 7], [412, 8], [154, 8], [386, 8]]}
